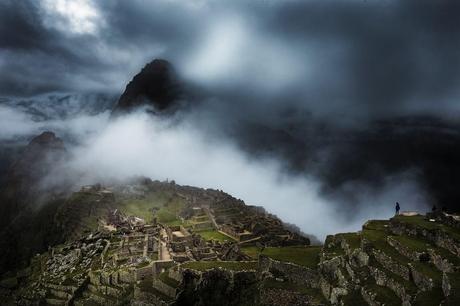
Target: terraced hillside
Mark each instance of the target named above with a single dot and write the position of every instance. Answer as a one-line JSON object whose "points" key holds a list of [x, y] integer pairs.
{"points": [[408, 260], [154, 243]]}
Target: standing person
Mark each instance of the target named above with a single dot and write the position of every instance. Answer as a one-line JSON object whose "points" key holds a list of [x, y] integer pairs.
{"points": [[397, 208]]}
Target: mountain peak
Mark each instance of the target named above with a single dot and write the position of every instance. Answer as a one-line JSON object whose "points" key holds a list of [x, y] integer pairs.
{"points": [[47, 138], [155, 85]]}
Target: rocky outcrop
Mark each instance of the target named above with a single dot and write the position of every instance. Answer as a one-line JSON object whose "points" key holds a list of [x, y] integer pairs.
{"points": [[392, 265], [433, 235], [228, 287], [382, 279], [441, 263]]}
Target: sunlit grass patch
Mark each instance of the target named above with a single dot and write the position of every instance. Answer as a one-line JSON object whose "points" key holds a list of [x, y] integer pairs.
{"points": [[307, 256]]}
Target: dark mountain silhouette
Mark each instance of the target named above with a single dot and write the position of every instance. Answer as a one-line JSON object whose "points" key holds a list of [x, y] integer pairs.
{"points": [[28, 205], [156, 86]]}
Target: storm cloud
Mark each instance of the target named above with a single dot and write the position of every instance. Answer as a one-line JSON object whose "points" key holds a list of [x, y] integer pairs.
{"points": [[355, 94]]}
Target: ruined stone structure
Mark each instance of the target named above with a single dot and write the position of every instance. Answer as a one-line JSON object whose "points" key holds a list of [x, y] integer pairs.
{"points": [[408, 260]]}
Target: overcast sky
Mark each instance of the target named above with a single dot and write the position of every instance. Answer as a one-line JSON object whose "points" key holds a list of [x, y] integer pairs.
{"points": [[357, 94], [332, 56]]}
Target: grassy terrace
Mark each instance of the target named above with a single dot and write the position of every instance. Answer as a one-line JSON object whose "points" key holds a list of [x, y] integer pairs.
{"points": [[167, 280], [202, 218], [378, 240], [146, 286], [168, 206], [315, 294], [429, 270], [454, 280], [422, 222], [429, 298], [354, 298], [384, 295], [301, 255], [419, 245], [376, 225], [209, 235], [353, 239], [229, 265], [376, 233], [408, 286]]}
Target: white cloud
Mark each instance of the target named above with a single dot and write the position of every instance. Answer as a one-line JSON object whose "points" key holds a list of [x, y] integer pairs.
{"points": [[141, 145], [74, 16], [231, 50], [14, 124]]}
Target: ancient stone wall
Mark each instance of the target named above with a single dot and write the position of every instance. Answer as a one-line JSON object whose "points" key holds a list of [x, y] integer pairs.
{"points": [[164, 288], [382, 279], [388, 263], [161, 265], [292, 272], [142, 298], [144, 272], [435, 236], [441, 263]]}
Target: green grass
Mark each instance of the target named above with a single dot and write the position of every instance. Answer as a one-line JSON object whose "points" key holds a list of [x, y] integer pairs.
{"points": [[167, 205], [408, 286], [301, 255], [419, 245], [209, 235], [143, 264], [332, 249], [354, 298], [142, 208], [200, 219], [164, 215], [429, 270], [384, 295], [164, 277], [146, 286], [412, 243], [378, 240], [175, 222], [353, 240], [229, 265], [422, 222], [376, 225], [315, 294], [454, 280], [429, 298]]}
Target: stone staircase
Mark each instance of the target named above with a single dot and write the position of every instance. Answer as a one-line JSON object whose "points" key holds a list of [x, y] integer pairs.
{"points": [[57, 294], [106, 289]]}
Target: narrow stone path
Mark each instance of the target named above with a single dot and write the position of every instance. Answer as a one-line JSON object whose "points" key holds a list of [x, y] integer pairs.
{"points": [[164, 253]]}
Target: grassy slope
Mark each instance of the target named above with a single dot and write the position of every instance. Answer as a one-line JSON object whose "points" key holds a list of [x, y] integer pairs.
{"points": [[208, 235], [422, 222], [301, 255], [167, 207], [315, 294], [230, 265]]}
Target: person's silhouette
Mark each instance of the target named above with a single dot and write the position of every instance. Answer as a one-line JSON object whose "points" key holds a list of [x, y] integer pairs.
{"points": [[397, 208]]}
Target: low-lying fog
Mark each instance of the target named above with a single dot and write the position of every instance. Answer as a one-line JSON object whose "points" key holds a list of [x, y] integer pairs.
{"points": [[172, 148]]}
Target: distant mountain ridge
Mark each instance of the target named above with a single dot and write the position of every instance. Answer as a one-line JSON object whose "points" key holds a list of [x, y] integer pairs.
{"points": [[58, 105]]}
